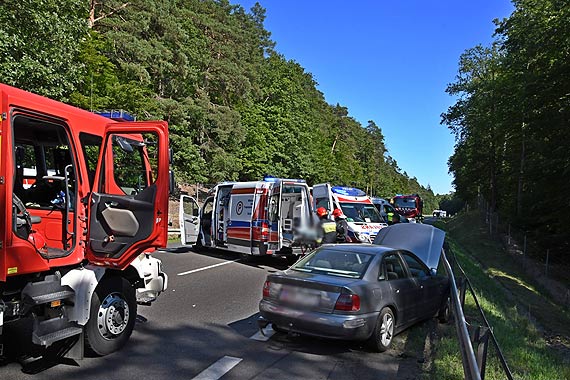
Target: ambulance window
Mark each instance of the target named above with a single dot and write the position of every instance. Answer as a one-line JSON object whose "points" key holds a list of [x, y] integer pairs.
{"points": [[322, 202], [274, 208], [91, 145], [135, 162]]}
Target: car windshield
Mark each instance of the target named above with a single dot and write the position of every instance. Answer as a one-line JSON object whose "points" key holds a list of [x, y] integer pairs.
{"points": [[405, 202], [335, 262], [361, 213]]}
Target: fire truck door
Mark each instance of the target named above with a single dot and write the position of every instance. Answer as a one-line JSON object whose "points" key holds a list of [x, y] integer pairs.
{"points": [[189, 219], [128, 209], [5, 215]]}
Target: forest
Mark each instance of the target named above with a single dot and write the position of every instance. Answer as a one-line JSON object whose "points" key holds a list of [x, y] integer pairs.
{"points": [[511, 122], [237, 109]]}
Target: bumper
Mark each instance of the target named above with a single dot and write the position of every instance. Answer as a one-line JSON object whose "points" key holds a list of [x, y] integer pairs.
{"points": [[325, 325], [154, 279]]}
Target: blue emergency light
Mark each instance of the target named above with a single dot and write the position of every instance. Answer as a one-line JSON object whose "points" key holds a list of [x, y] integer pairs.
{"points": [[117, 115], [270, 178], [348, 191]]}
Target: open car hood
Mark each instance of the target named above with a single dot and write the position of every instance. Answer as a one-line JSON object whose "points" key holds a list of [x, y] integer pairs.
{"points": [[422, 240]]}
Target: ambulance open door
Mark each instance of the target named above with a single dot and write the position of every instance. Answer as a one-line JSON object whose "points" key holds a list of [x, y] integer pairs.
{"points": [[189, 220]]}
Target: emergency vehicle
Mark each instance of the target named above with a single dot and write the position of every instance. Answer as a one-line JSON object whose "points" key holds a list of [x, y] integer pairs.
{"points": [[363, 219], [83, 204], [253, 218], [409, 206]]}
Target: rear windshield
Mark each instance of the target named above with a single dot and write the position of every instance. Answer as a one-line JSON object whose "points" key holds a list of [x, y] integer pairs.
{"points": [[335, 262]]}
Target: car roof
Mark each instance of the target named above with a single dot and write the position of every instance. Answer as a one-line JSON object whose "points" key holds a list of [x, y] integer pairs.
{"points": [[358, 248]]}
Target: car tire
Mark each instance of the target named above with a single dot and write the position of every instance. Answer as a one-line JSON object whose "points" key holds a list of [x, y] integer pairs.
{"points": [[383, 333], [112, 316], [444, 314]]}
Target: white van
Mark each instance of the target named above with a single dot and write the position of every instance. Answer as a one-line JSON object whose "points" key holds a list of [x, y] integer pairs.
{"points": [[253, 218], [364, 220]]}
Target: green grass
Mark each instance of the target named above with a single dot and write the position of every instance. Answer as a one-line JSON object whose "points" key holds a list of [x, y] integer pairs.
{"points": [[506, 296]]}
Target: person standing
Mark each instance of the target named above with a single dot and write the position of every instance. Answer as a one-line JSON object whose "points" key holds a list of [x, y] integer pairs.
{"points": [[327, 228], [341, 226]]}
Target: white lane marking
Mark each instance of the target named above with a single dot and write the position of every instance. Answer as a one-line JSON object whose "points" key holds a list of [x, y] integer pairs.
{"points": [[268, 332], [218, 369], [208, 267]]}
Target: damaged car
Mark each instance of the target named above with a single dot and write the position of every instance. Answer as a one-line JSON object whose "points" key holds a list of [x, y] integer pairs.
{"points": [[365, 292]]}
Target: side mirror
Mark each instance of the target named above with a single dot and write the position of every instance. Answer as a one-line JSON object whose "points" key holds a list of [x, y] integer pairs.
{"points": [[171, 182], [433, 271], [170, 156]]}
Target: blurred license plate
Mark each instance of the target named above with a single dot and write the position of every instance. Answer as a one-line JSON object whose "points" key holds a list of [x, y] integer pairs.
{"points": [[299, 297]]}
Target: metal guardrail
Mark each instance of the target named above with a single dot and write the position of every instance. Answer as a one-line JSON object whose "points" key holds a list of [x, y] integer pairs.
{"points": [[474, 365]]}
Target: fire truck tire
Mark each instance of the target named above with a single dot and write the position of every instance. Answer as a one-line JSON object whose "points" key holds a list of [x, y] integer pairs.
{"points": [[112, 316]]}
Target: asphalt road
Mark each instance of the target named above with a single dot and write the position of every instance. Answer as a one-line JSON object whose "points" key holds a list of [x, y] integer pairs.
{"points": [[204, 327]]}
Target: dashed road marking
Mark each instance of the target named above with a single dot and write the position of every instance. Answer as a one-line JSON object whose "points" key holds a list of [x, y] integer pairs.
{"points": [[218, 369], [208, 267]]}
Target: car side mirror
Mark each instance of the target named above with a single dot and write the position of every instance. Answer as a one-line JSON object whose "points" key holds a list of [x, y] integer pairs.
{"points": [[433, 271]]}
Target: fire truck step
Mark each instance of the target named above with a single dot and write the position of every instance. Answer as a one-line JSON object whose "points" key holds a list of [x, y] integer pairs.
{"points": [[52, 330], [48, 290]]}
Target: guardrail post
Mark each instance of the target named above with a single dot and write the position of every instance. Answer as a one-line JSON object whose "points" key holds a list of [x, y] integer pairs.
{"points": [[482, 339], [462, 288]]}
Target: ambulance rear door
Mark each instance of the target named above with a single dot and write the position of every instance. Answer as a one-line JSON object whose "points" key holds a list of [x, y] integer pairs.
{"points": [[322, 197], [189, 219]]}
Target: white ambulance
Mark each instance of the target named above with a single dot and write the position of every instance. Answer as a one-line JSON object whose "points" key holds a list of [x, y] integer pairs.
{"points": [[253, 218], [363, 219]]}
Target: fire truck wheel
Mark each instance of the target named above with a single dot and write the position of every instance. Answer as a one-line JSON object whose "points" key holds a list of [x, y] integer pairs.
{"points": [[112, 316]]}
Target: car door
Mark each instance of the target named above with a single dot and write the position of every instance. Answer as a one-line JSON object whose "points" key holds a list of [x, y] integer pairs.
{"points": [[403, 288], [189, 219], [428, 299], [128, 209]]}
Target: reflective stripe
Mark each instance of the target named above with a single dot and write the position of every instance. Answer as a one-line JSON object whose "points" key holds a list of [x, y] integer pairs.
{"points": [[329, 227]]}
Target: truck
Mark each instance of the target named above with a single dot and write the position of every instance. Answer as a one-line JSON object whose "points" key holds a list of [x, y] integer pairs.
{"points": [[363, 219], [409, 206], [83, 204], [256, 218]]}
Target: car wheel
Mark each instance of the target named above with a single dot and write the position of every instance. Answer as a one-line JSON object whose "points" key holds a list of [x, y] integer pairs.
{"points": [[444, 314], [112, 316], [383, 333]]}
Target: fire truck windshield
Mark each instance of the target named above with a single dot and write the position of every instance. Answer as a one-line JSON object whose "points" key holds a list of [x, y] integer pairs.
{"points": [[405, 202], [361, 213]]}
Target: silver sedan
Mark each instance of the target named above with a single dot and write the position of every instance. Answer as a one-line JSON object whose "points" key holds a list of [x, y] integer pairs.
{"points": [[361, 291]]}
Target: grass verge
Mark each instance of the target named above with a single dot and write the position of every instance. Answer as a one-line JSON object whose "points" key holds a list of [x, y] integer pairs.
{"points": [[513, 305]]}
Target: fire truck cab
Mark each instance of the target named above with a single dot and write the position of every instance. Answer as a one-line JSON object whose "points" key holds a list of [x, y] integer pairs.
{"points": [[83, 204], [409, 206]]}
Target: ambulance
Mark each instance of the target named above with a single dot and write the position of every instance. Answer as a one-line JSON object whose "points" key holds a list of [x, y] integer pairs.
{"points": [[363, 219], [252, 218]]}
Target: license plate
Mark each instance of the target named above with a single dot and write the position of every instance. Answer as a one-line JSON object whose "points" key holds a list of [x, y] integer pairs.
{"points": [[300, 298]]}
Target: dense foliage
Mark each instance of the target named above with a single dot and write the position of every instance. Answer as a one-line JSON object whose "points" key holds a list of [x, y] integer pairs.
{"points": [[512, 121], [237, 109]]}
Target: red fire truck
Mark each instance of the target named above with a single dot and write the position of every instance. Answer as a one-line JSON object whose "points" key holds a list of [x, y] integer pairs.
{"points": [[409, 206], [83, 204]]}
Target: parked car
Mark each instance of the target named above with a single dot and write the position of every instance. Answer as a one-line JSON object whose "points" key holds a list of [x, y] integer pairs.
{"points": [[360, 291]]}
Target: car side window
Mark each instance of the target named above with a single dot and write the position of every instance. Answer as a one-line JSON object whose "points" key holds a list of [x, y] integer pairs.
{"points": [[392, 268], [417, 269]]}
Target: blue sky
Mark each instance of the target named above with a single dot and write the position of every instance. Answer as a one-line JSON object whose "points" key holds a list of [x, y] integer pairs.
{"points": [[388, 61]]}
